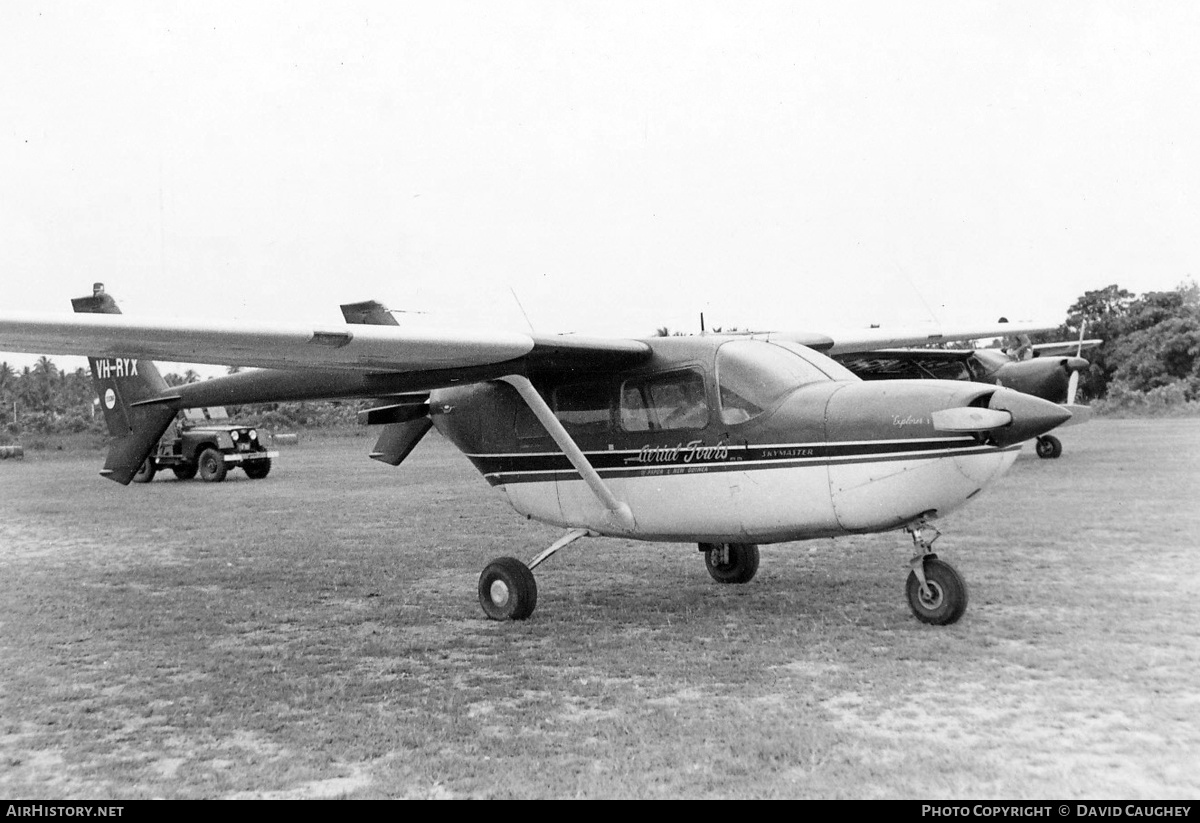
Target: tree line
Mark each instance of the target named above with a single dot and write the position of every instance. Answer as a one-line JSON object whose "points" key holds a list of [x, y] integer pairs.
{"points": [[1151, 350], [1151, 343], [44, 400]]}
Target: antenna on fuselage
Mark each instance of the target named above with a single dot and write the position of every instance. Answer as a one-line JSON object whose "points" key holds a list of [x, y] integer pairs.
{"points": [[702, 322]]}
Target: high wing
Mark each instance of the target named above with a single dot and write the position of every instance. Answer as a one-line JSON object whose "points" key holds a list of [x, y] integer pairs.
{"points": [[357, 348], [1067, 347], [859, 340]]}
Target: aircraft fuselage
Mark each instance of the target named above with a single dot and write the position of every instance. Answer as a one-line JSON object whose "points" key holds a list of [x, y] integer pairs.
{"points": [[696, 459]]}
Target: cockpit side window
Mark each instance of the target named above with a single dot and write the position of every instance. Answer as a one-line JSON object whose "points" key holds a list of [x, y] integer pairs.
{"points": [[657, 402], [752, 375], [585, 407]]}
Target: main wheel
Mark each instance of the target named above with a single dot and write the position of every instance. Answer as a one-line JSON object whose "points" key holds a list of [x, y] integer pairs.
{"points": [[185, 471], [212, 466], [145, 472], [947, 599], [257, 469], [739, 566], [1048, 447], [507, 590]]}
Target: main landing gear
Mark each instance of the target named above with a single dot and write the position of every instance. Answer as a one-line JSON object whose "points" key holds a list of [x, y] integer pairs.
{"points": [[507, 589], [1048, 447], [936, 591]]}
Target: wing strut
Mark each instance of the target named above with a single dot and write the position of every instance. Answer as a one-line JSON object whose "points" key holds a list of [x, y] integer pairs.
{"points": [[619, 510]]}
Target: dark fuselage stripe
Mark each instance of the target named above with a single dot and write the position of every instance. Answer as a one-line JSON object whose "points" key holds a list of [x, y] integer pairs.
{"points": [[543, 467]]}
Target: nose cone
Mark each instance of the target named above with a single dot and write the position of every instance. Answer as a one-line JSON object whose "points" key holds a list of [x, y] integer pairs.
{"points": [[1072, 364], [1031, 416]]}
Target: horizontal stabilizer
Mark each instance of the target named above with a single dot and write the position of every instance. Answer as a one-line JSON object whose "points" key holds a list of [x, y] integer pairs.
{"points": [[970, 419]]}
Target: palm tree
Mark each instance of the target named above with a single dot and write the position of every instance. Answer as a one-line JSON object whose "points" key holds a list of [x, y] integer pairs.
{"points": [[7, 376], [45, 374]]}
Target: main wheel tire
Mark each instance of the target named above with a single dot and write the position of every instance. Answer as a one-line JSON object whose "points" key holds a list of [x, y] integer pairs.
{"points": [[145, 472], [257, 469], [212, 466], [185, 471], [947, 600], [1049, 447], [507, 590], [741, 566]]}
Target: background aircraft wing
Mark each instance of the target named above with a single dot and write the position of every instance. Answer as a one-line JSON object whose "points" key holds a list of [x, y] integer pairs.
{"points": [[297, 346], [1067, 347], [858, 340], [909, 364]]}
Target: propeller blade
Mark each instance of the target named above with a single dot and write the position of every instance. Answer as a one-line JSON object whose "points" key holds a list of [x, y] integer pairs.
{"points": [[1072, 387], [970, 419]]}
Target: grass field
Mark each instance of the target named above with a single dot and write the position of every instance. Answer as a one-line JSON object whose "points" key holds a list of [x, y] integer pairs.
{"points": [[317, 634]]}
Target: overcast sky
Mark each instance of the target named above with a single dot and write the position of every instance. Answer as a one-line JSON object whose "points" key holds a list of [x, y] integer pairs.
{"points": [[618, 166]]}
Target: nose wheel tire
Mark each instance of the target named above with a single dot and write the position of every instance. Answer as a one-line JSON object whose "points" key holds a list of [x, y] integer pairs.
{"points": [[507, 590], [731, 562], [1049, 447], [946, 599]]}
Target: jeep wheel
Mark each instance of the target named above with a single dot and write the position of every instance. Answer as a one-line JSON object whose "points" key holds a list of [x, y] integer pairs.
{"points": [[145, 472], [257, 469], [212, 466], [184, 471]]}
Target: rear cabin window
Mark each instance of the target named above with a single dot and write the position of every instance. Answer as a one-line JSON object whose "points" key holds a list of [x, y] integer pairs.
{"points": [[664, 401], [753, 375]]}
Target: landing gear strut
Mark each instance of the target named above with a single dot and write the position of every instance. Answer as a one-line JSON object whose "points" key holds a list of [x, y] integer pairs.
{"points": [[1048, 447], [937, 594], [507, 588]]}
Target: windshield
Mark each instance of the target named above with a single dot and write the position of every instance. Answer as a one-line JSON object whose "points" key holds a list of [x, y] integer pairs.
{"points": [[753, 375]]}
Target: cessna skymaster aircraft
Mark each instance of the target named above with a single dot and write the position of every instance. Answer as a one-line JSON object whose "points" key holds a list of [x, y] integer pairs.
{"points": [[724, 441]]}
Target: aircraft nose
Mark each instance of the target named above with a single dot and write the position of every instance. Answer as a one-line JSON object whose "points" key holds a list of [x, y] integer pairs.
{"points": [[1031, 416]]}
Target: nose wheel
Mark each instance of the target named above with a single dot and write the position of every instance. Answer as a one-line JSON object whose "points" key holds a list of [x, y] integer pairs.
{"points": [[936, 592], [943, 598], [1048, 447]]}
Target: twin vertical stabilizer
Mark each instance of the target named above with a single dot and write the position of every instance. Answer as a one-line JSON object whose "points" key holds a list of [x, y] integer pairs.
{"points": [[134, 398]]}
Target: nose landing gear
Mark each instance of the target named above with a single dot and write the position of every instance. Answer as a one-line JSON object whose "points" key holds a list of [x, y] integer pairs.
{"points": [[1048, 447], [937, 594]]}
